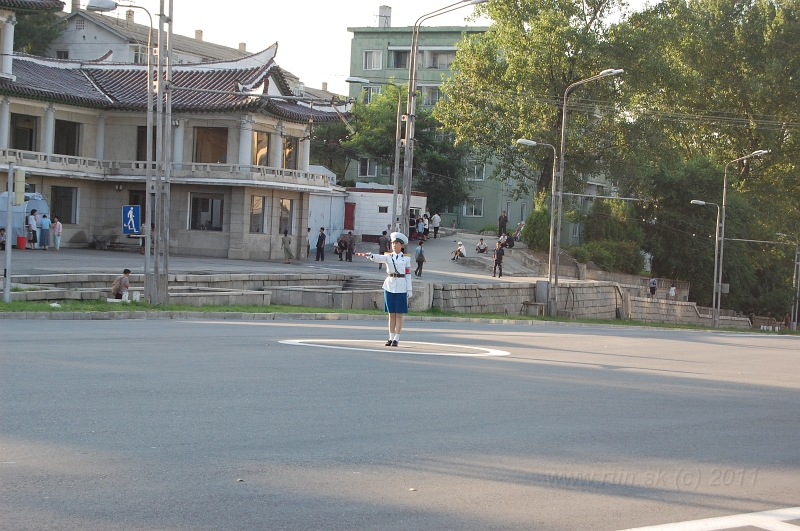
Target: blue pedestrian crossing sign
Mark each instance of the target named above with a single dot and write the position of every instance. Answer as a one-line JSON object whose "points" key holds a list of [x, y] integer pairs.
{"points": [[131, 219]]}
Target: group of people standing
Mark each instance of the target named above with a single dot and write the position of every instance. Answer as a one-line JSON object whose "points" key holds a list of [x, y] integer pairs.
{"points": [[42, 235], [421, 226]]}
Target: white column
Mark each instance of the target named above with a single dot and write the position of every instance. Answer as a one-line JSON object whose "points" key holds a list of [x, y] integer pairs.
{"points": [[5, 123], [177, 142], [49, 129], [8, 46], [276, 147], [304, 157], [100, 141], [246, 140]]}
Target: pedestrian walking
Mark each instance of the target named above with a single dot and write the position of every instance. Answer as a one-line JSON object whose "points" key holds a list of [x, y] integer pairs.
{"points": [[653, 286], [436, 220], [497, 258], [351, 245], [119, 289], [383, 246], [419, 256], [286, 245], [426, 229], [397, 286], [45, 239], [321, 245], [308, 243], [671, 293]]}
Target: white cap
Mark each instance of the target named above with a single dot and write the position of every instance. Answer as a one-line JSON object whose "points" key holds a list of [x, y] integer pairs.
{"points": [[398, 237], [460, 243]]}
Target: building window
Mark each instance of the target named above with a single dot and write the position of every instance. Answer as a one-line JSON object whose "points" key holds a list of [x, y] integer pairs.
{"points": [[287, 211], [473, 208], [211, 145], [67, 135], [370, 92], [23, 132], [576, 230], [64, 203], [80, 24], [383, 210], [432, 95], [373, 60], [523, 212], [367, 168], [384, 171], [399, 59], [139, 54], [206, 212], [476, 171], [62, 54], [449, 210], [441, 60], [141, 143], [258, 214], [290, 148], [260, 148]]}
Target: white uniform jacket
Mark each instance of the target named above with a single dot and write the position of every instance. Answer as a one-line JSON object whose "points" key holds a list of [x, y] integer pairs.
{"points": [[396, 264]]}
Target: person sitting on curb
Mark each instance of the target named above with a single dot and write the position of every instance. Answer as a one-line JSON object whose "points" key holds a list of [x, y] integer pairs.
{"points": [[503, 240], [459, 252], [481, 247], [119, 289]]}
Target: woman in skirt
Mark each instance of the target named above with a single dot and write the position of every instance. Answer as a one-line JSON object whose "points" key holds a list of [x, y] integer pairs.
{"points": [[397, 286]]}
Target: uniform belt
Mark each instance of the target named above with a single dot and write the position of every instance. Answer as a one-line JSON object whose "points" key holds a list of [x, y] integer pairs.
{"points": [[396, 275]]}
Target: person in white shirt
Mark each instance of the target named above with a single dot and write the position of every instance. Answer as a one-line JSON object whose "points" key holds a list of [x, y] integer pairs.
{"points": [[481, 247], [397, 286], [460, 252], [32, 223], [436, 220]]}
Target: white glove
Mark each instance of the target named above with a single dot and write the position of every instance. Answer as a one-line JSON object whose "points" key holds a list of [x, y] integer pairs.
{"points": [[409, 294], [369, 255]]}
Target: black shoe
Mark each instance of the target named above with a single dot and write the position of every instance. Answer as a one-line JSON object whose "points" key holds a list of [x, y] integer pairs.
{"points": [[389, 343], [453, 258], [394, 343]]}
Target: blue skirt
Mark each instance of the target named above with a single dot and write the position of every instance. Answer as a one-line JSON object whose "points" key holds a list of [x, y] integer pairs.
{"points": [[395, 302]]}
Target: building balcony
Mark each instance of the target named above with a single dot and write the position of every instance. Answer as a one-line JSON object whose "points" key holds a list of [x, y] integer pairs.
{"points": [[180, 173]]}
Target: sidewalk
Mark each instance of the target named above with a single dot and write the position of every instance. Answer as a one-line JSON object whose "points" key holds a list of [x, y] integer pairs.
{"points": [[438, 269]]}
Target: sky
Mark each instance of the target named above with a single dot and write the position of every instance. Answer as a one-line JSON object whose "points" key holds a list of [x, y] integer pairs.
{"points": [[313, 41]]}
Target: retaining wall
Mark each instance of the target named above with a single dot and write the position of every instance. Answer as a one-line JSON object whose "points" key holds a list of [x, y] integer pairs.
{"points": [[675, 312], [483, 298]]}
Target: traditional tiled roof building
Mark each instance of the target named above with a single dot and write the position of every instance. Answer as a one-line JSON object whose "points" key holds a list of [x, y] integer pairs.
{"points": [[240, 157]]}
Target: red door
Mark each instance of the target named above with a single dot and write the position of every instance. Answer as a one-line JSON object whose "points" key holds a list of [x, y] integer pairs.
{"points": [[349, 216]]}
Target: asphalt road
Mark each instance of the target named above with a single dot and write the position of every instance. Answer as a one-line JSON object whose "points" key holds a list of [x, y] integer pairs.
{"points": [[150, 425]]}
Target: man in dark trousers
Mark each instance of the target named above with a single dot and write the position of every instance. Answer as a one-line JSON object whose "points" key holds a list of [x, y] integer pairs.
{"points": [[383, 247], [502, 223], [321, 245], [497, 258], [351, 245]]}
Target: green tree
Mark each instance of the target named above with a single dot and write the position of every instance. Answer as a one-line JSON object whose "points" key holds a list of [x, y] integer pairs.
{"points": [[439, 164], [36, 30], [536, 233], [327, 149], [508, 83]]}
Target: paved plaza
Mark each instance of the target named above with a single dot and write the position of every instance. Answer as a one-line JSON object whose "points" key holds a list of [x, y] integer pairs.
{"points": [[176, 425]]}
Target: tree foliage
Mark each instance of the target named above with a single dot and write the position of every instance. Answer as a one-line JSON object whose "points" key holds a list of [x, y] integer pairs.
{"points": [[439, 164], [536, 233], [706, 82], [36, 30]]}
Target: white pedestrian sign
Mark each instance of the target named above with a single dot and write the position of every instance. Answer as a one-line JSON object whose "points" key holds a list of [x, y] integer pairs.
{"points": [[131, 220]]}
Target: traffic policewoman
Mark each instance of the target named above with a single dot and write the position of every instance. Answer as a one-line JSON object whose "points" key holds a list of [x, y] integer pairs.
{"points": [[397, 286]]}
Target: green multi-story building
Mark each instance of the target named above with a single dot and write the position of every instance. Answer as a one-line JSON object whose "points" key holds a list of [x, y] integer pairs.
{"points": [[382, 54]]}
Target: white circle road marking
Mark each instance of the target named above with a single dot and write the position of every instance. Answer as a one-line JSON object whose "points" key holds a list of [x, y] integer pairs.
{"points": [[483, 352]]}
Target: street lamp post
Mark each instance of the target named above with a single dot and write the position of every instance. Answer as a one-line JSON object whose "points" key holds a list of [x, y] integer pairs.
{"points": [[551, 309], [721, 239], [714, 312], [397, 142], [560, 188], [408, 157], [103, 6]]}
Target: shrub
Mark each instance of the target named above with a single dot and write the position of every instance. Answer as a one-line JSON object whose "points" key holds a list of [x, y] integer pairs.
{"points": [[536, 233], [492, 229], [609, 255]]}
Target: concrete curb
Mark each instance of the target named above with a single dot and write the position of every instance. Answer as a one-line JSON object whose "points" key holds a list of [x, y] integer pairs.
{"points": [[242, 316]]}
